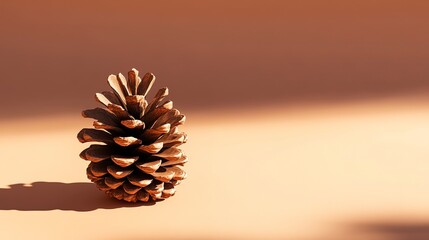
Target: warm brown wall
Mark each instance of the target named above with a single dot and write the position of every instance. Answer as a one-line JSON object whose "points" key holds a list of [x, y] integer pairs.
{"points": [[55, 54]]}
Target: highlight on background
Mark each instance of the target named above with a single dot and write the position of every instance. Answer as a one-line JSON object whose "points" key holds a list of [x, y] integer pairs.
{"points": [[306, 119]]}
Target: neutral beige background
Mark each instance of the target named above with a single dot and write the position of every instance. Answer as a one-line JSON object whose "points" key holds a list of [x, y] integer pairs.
{"points": [[233, 53]]}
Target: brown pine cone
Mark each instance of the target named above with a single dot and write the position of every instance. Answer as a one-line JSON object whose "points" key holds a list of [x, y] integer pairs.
{"points": [[139, 158]]}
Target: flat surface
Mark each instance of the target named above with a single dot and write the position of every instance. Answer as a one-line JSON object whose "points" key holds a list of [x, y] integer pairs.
{"points": [[307, 172]]}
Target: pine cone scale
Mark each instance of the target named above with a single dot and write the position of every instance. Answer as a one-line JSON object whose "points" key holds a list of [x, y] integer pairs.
{"points": [[146, 84], [118, 88], [124, 161], [133, 81]]}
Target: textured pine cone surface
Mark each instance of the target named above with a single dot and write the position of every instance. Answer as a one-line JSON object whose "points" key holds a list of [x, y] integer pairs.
{"points": [[136, 157]]}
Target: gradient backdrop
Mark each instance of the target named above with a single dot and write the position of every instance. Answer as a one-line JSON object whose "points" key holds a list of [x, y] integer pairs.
{"points": [[307, 119]]}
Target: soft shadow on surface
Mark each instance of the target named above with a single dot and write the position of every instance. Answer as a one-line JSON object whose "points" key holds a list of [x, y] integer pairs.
{"points": [[45, 196], [406, 230]]}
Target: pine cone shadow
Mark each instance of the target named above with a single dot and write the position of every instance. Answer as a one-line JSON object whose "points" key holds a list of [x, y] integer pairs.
{"points": [[46, 196]]}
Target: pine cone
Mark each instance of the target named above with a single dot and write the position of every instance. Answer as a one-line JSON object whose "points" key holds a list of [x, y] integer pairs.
{"points": [[140, 159]]}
